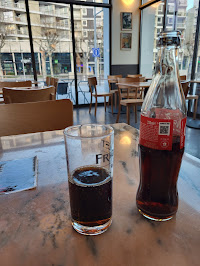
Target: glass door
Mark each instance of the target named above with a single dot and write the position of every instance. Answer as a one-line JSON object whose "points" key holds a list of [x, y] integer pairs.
{"points": [[92, 48]]}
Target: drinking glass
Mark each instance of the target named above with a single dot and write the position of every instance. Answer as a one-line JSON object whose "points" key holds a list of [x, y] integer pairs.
{"points": [[89, 154]]}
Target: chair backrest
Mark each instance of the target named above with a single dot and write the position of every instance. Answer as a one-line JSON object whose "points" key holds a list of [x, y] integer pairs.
{"points": [[92, 82], [121, 88], [48, 80], [134, 76], [22, 118], [15, 95], [184, 77], [142, 79], [54, 82], [14, 84], [112, 79], [126, 80], [185, 87]]}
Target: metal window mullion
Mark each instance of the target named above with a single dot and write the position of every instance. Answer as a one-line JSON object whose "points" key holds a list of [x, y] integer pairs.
{"points": [[79, 3], [31, 40], [74, 51], [110, 37], [194, 59]]}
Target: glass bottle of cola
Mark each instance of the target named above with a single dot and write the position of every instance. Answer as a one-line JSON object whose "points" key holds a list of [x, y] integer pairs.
{"points": [[162, 134]]}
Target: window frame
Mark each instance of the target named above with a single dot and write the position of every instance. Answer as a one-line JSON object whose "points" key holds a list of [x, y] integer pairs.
{"points": [[196, 43], [71, 3]]}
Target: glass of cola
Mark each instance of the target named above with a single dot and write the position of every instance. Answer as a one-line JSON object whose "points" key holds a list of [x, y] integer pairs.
{"points": [[89, 154]]}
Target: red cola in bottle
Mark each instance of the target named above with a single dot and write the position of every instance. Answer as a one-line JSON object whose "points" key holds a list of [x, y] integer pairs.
{"points": [[162, 134]]}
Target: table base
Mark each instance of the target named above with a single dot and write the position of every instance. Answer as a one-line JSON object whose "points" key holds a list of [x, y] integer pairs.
{"points": [[193, 123]]}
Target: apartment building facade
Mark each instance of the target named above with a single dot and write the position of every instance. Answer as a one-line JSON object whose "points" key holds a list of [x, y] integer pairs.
{"points": [[52, 41], [186, 23]]}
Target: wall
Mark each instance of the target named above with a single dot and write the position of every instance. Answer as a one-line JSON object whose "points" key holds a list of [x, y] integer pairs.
{"points": [[125, 62]]}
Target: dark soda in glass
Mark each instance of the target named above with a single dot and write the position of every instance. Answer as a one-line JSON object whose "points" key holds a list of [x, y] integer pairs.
{"points": [[157, 195], [90, 190]]}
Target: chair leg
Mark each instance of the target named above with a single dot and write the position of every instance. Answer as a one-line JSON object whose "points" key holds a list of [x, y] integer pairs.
{"points": [[128, 114], [115, 100], [95, 113], [109, 101], [119, 111], [111, 97], [105, 103], [90, 104], [135, 110], [195, 108]]}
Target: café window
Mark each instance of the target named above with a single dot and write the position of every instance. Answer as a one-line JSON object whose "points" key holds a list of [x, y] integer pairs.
{"points": [[152, 22]]}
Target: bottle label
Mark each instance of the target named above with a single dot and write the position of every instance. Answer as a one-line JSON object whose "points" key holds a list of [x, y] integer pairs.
{"points": [[183, 128], [158, 133]]}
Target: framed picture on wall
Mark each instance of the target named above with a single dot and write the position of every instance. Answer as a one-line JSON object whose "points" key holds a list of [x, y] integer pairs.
{"points": [[126, 21], [125, 41]]}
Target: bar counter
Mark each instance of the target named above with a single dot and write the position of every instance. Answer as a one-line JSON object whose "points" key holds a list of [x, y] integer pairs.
{"points": [[36, 226]]}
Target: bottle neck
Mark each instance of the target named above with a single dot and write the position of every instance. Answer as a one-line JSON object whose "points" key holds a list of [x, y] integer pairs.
{"points": [[167, 61]]}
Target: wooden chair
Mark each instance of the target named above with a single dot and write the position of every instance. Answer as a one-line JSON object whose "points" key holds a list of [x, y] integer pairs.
{"points": [[134, 76], [183, 77], [112, 79], [128, 92], [39, 83], [48, 79], [54, 82], [92, 82], [133, 98], [15, 95], [22, 118], [138, 79], [14, 84], [186, 87]]}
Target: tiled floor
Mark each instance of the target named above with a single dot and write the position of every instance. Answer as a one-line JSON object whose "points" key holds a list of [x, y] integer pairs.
{"points": [[82, 116]]}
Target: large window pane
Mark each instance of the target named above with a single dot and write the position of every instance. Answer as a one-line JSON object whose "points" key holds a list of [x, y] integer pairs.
{"points": [[152, 22], [92, 48], [52, 41], [52, 38], [15, 56]]}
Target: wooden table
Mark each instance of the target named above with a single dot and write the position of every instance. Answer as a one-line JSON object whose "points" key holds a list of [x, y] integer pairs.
{"points": [[195, 81], [148, 78], [136, 84], [36, 227]]}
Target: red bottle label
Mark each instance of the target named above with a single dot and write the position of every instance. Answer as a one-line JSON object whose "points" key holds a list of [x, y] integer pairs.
{"points": [[183, 127], [158, 133]]}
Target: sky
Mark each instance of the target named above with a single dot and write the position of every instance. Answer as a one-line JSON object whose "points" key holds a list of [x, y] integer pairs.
{"points": [[190, 4]]}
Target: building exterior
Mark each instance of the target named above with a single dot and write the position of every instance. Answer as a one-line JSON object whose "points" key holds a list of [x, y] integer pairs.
{"points": [[181, 23], [186, 24], [51, 32]]}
